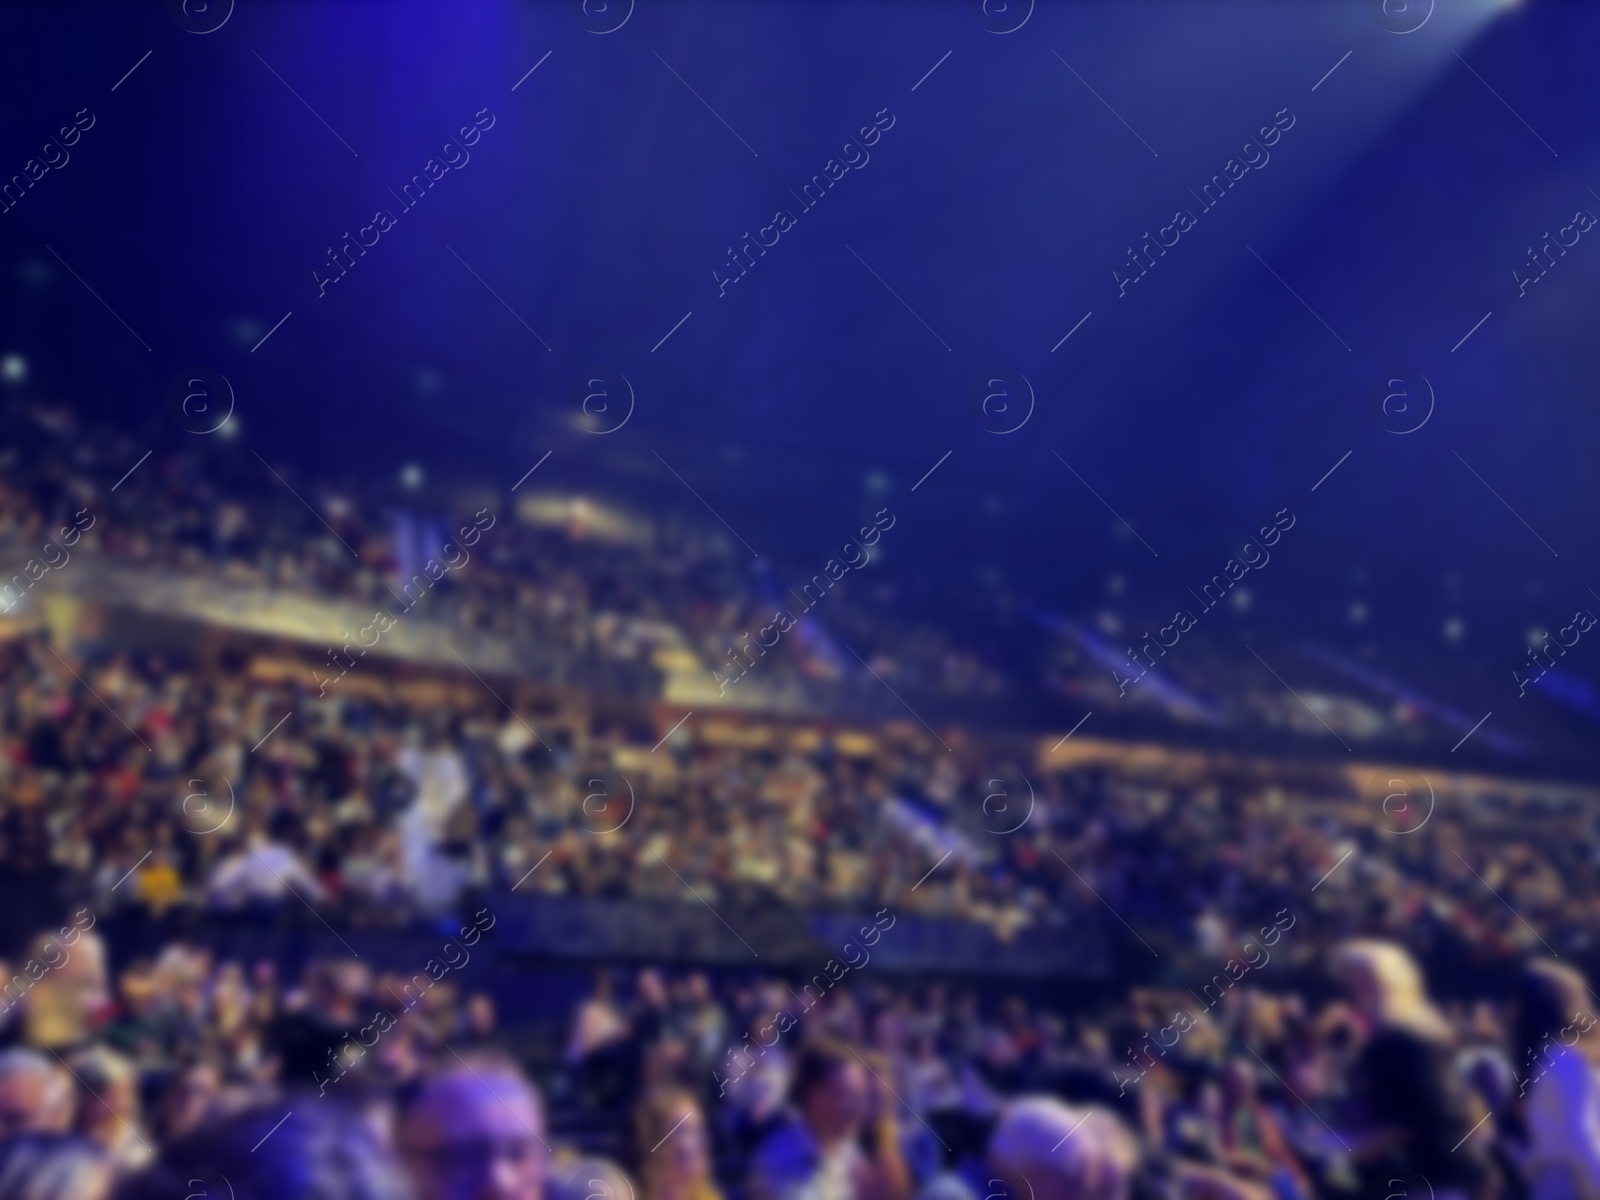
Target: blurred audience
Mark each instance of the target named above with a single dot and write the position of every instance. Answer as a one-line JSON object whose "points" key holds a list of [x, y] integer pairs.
{"points": [[884, 1091], [159, 810]]}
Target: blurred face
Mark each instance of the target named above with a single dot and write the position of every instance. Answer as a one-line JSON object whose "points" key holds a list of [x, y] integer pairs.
{"points": [[480, 1012], [32, 1102], [191, 1098], [685, 1150], [117, 1102], [651, 990], [396, 1057], [476, 1137], [96, 1182], [835, 1108], [1363, 991], [1237, 1084]]}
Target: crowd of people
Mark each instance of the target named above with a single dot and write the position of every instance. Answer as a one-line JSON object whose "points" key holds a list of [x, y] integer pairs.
{"points": [[1282, 1043], [193, 1074], [154, 785], [138, 783], [889, 1091], [577, 583]]}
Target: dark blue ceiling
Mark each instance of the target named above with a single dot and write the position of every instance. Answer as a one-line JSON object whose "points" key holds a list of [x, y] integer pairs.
{"points": [[1378, 227]]}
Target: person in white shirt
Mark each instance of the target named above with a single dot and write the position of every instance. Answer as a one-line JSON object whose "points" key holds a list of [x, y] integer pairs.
{"points": [[1558, 1068], [261, 872]]}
